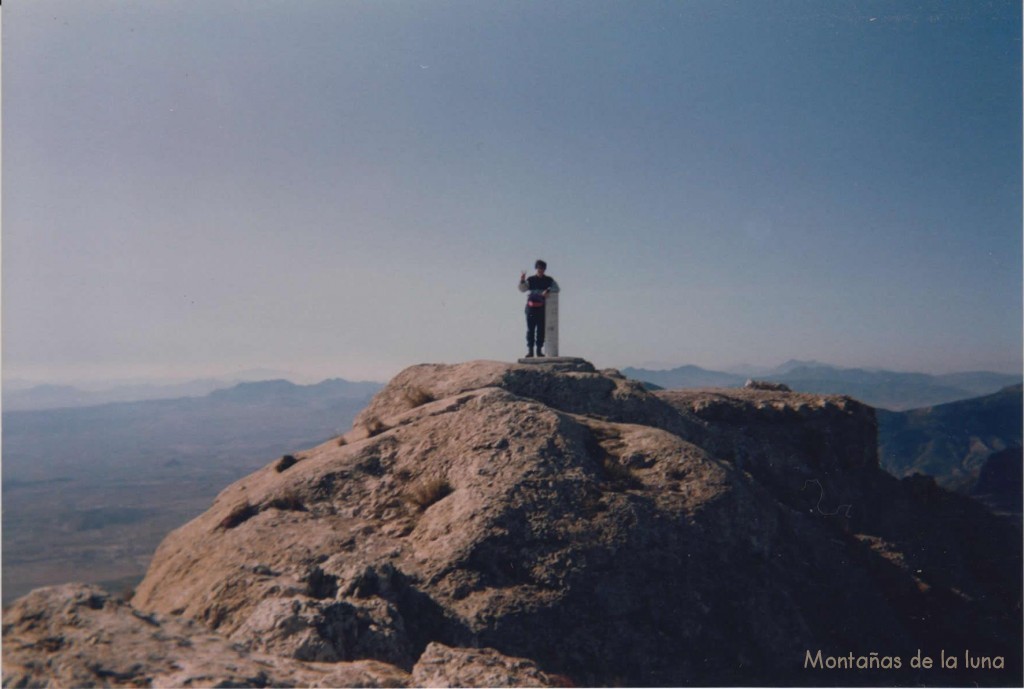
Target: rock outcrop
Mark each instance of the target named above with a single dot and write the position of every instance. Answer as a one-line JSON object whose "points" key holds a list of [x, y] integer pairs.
{"points": [[80, 636], [490, 524]]}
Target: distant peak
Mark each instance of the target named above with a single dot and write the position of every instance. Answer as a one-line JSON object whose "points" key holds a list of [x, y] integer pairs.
{"points": [[793, 364]]}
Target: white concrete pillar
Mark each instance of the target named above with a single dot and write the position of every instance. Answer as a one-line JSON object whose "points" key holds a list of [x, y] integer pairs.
{"points": [[551, 325]]}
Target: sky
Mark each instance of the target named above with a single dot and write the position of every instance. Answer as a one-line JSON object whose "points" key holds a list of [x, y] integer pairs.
{"points": [[347, 188]]}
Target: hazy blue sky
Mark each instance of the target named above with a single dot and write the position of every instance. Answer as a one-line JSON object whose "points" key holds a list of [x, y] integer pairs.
{"points": [[347, 188]]}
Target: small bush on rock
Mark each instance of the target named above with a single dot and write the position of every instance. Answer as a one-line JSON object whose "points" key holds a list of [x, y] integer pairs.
{"points": [[374, 426], [417, 397], [620, 474], [286, 462], [428, 491], [752, 384], [288, 501], [239, 514]]}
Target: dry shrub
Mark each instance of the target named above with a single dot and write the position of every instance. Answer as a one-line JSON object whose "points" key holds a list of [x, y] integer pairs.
{"points": [[342, 441], [239, 514], [428, 491], [591, 505], [374, 426], [620, 474], [416, 397], [288, 500], [286, 462], [677, 473]]}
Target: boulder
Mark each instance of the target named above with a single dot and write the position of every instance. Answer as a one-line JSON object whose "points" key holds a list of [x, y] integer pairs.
{"points": [[441, 666]]}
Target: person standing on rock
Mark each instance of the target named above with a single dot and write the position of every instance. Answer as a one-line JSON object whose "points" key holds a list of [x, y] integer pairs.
{"points": [[538, 287]]}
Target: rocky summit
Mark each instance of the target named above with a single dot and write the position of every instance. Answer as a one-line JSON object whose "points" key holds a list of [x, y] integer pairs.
{"points": [[546, 524]]}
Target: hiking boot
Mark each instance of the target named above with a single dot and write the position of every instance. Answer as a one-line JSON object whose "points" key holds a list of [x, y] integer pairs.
{"points": [[529, 354]]}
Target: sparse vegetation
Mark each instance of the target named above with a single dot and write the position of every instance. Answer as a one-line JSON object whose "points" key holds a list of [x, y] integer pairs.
{"points": [[239, 514], [321, 585], [591, 504], [416, 397], [428, 491], [371, 465], [286, 462], [288, 500], [620, 474], [374, 426], [342, 441]]}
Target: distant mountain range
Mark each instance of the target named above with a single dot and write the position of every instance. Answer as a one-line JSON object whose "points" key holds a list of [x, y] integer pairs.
{"points": [[880, 388], [20, 395], [954, 442], [46, 396], [250, 420]]}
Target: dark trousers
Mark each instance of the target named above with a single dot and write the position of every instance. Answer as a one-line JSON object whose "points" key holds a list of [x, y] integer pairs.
{"points": [[535, 327]]}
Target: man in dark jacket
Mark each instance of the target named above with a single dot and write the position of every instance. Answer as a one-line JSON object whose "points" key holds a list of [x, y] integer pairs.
{"points": [[538, 287]]}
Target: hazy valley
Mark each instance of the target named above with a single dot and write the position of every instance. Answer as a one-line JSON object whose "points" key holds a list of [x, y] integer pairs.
{"points": [[88, 493], [955, 441]]}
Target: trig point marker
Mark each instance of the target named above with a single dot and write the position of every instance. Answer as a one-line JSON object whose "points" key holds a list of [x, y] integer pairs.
{"points": [[551, 325], [551, 357]]}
